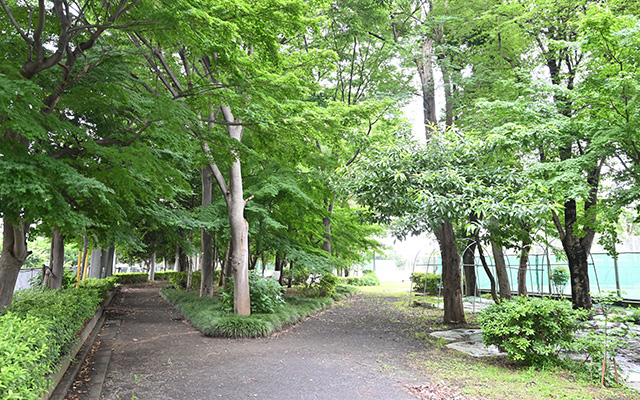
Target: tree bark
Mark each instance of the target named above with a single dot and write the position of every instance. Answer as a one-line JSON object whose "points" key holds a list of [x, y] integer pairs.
{"points": [[469, 267], [56, 264], [95, 266], [14, 253], [522, 268], [501, 271], [110, 258], [152, 267], [206, 260], [326, 221], [451, 275]]}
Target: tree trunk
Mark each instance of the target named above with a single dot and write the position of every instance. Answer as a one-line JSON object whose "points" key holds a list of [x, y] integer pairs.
{"points": [[152, 267], [176, 262], [522, 268], [56, 264], [206, 260], [451, 275], [96, 266], [14, 253], [110, 260], [425, 72], [469, 267], [487, 271], [326, 221], [577, 250], [501, 271]]}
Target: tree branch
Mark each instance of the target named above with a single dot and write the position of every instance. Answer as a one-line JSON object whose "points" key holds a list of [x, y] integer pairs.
{"points": [[558, 223]]}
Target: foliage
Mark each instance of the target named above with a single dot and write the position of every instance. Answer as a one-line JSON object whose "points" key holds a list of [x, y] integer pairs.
{"points": [[265, 293], [369, 278], [559, 278], [179, 279], [344, 291], [604, 337], [635, 315], [103, 286], [425, 283], [164, 275], [36, 331], [208, 314], [322, 286], [531, 331], [298, 276], [125, 278]]}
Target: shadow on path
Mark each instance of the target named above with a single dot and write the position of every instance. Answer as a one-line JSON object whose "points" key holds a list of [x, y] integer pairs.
{"points": [[351, 351]]}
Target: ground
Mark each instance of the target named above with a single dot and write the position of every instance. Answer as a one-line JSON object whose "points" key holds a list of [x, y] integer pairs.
{"points": [[372, 346]]}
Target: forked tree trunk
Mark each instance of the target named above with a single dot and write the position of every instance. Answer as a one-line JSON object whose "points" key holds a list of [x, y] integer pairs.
{"points": [[451, 275], [54, 279], [14, 253], [206, 260], [469, 267], [492, 281], [501, 271]]}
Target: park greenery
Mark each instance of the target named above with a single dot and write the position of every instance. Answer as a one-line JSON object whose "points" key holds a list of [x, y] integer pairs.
{"points": [[271, 132]]}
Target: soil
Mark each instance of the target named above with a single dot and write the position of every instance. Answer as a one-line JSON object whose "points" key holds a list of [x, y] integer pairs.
{"points": [[358, 349]]}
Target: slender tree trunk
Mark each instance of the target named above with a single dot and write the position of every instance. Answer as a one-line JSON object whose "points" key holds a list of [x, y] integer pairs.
{"points": [[152, 267], [469, 267], [487, 271], [451, 275], [56, 264], [522, 268], [425, 71], [206, 260], [176, 262], [326, 221], [501, 271], [14, 253]]}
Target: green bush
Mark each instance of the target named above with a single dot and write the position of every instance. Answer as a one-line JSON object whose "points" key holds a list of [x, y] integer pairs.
{"points": [[344, 291], [635, 315], [207, 314], [39, 328], [179, 279], [164, 275], [531, 331], [428, 283], [265, 293], [323, 287], [103, 286], [369, 278], [131, 277], [300, 275]]}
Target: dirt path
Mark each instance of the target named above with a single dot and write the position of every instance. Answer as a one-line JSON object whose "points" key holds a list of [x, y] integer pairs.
{"points": [[355, 350]]}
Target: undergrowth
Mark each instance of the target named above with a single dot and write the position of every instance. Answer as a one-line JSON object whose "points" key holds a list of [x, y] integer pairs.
{"points": [[208, 314]]}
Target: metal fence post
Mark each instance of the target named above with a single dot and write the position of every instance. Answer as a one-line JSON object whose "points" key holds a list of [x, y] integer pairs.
{"points": [[615, 267]]}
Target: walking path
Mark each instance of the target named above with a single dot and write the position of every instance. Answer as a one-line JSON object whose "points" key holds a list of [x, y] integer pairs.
{"points": [[335, 355]]}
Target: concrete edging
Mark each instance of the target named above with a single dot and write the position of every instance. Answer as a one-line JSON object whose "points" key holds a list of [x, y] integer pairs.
{"points": [[91, 329]]}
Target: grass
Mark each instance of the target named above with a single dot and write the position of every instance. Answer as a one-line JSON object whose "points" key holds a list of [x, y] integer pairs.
{"points": [[483, 378], [207, 315]]}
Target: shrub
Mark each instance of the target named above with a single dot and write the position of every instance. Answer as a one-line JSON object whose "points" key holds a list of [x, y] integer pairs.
{"points": [[36, 331], [208, 316], [323, 287], [428, 283], [164, 275], [559, 278], [635, 315], [103, 286], [179, 279], [531, 331], [369, 278], [299, 276], [265, 293], [131, 277], [344, 291]]}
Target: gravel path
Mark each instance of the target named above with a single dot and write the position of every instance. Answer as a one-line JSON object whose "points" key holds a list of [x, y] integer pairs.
{"points": [[355, 350]]}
